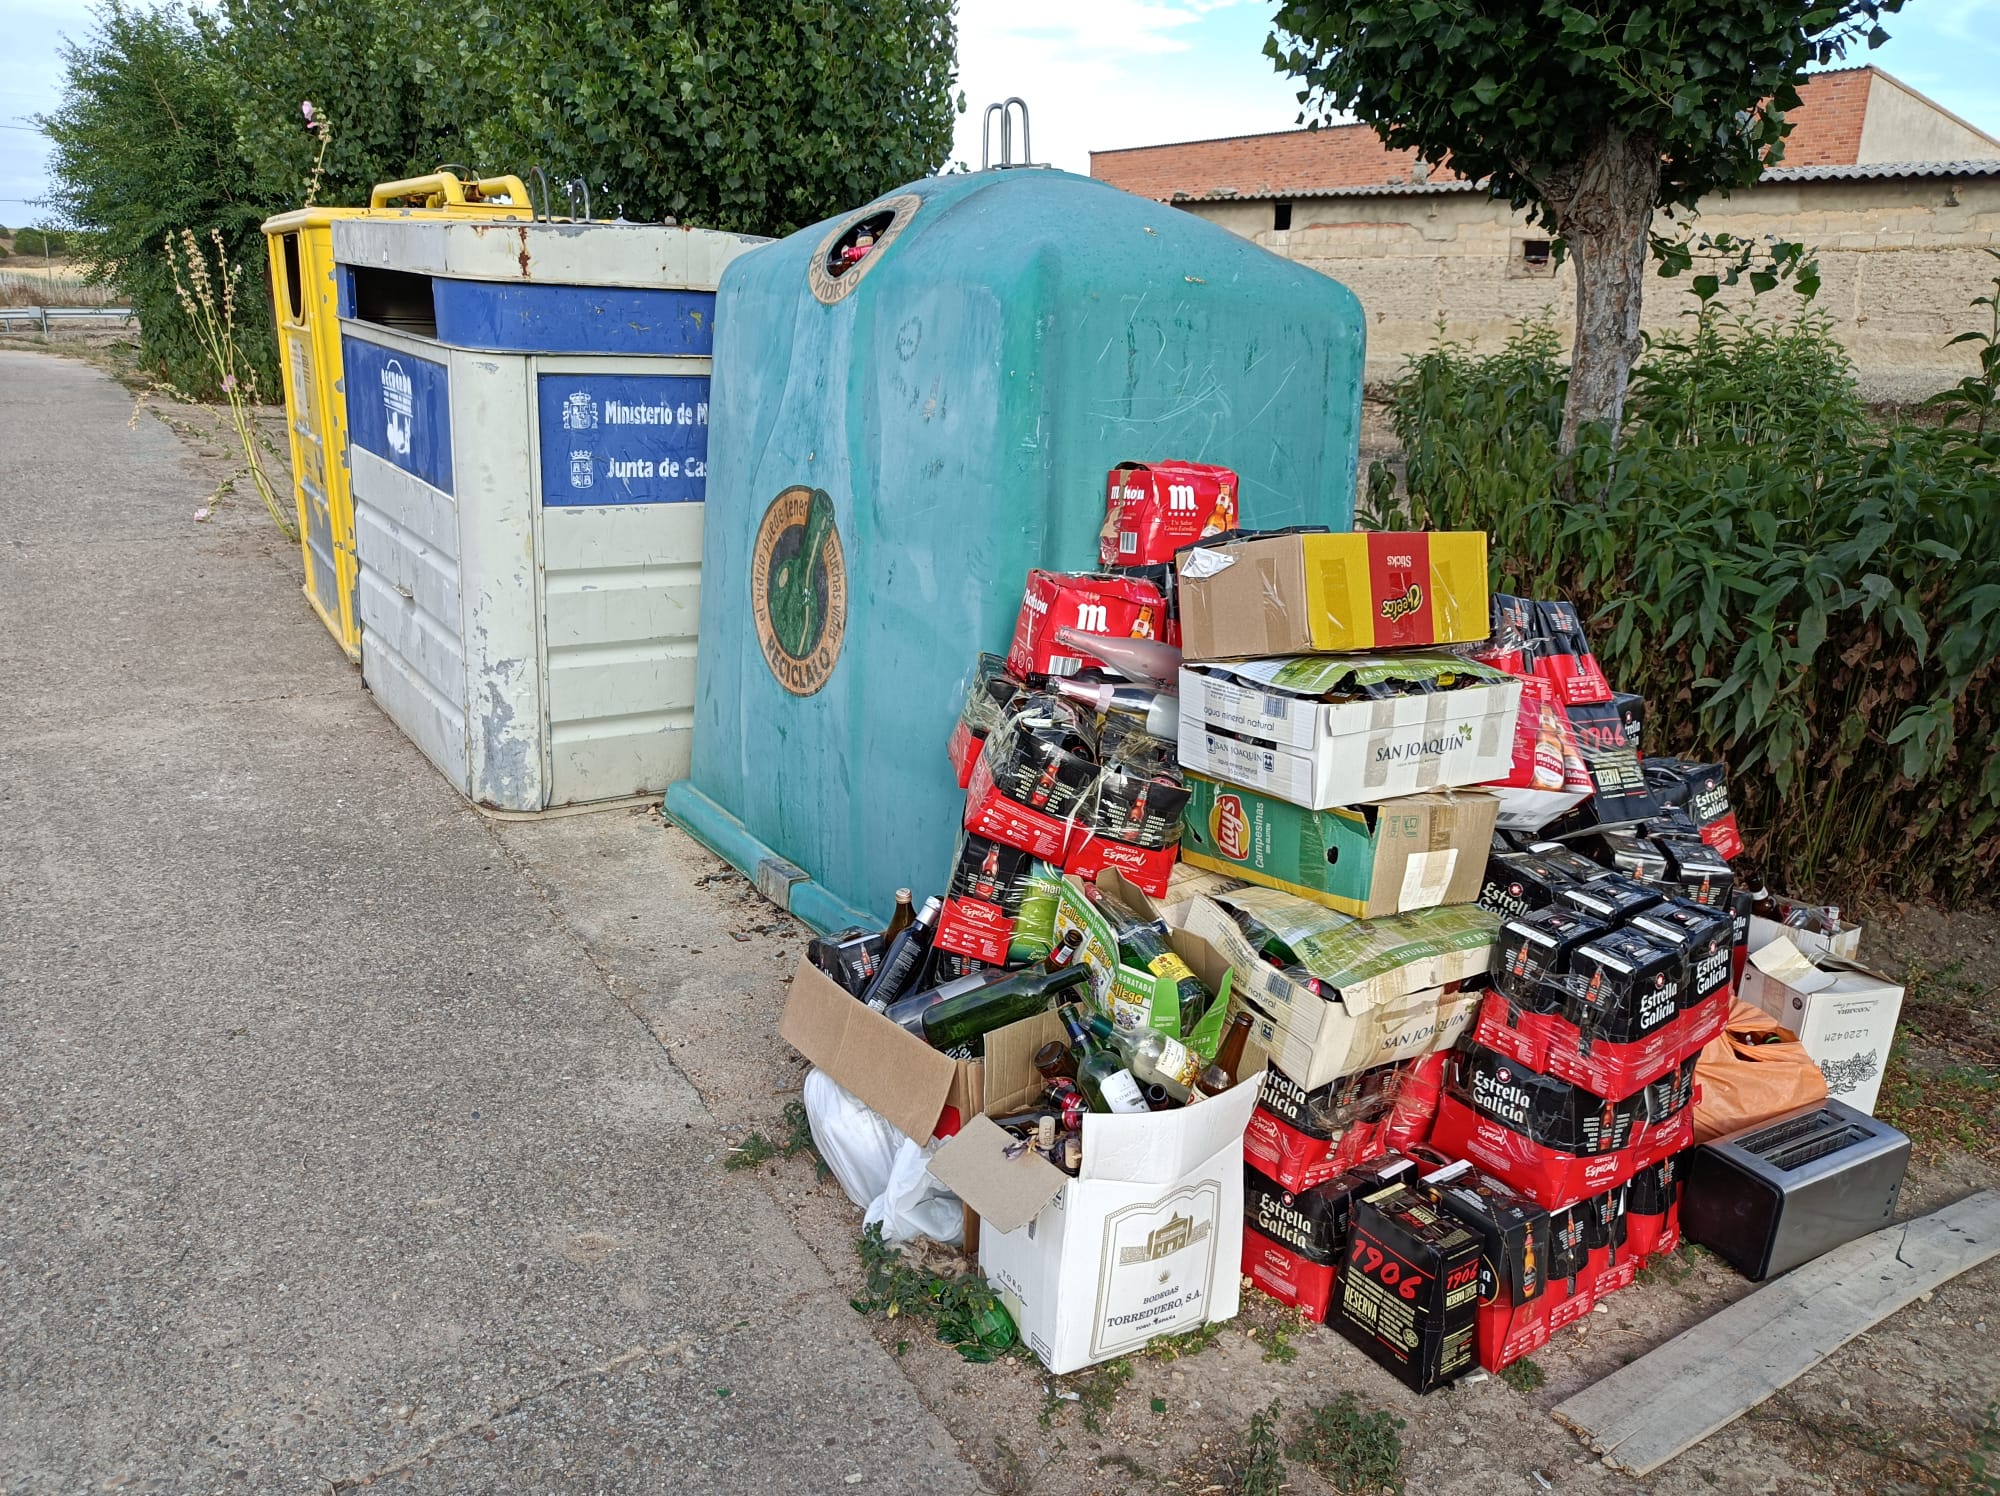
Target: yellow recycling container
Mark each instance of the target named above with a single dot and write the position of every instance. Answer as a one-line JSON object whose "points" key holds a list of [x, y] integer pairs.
{"points": [[307, 318]]}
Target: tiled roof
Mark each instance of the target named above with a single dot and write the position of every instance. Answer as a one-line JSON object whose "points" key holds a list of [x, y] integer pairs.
{"points": [[1351, 159], [1878, 170]]}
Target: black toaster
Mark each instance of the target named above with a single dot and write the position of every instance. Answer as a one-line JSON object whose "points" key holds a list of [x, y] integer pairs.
{"points": [[1792, 1188]]}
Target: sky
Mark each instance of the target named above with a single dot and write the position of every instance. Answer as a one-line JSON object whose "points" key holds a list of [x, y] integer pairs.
{"points": [[1096, 74]]}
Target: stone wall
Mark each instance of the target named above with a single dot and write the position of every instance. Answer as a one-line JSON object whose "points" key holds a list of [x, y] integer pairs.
{"points": [[1900, 259]]}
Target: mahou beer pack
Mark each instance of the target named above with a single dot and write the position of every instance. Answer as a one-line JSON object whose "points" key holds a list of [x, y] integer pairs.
{"points": [[1152, 509], [1113, 607]]}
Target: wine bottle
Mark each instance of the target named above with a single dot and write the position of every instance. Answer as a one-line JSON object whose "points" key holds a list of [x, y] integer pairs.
{"points": [[1154, 1058], [959, 1025], [899, 963], [1106, 1084]]}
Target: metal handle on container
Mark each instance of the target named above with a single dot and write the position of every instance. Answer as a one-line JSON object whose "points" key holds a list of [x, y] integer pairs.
{"points": [[443, 184], [1006, 112]]}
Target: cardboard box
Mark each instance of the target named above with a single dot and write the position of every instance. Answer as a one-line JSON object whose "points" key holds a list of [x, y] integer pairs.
{"points": [[1844, 1014], [1315, 1037], [882, 1064], [1319, 592], [1843, 945], [1152, 509], [1146, 1241], [1378, 857], [1260, 724]]}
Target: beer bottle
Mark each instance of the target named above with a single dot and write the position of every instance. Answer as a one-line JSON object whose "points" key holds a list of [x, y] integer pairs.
{"points": [[1154, 1058], [1064, 950], [959, 1025], [899, 962], [1106, 1084], [1221, 1073], [1145, 946], [900, 920]]}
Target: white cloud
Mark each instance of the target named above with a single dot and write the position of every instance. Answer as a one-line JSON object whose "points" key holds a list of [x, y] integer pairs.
{"points": [[1099, 74]]}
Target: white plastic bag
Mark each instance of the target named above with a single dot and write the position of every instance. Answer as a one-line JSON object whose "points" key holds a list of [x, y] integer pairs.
{"points": [[914, 1204], [858, 1144]]}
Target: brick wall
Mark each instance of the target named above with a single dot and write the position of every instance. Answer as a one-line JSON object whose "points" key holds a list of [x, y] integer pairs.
{"points": [[1899, 261]]}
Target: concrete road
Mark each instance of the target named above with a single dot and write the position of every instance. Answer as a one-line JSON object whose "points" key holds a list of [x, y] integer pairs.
{"points": [[326, 1151]]}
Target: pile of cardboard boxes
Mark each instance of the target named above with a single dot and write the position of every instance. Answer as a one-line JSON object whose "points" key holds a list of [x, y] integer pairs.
{"points": [[1407, 829]]}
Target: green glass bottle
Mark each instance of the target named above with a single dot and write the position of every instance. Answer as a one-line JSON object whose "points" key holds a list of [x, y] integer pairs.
{"points": [[959, 1025], [1100, 1073]]}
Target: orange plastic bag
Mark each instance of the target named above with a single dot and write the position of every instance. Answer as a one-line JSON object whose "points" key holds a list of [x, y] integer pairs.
{"points": [[1750, 1072]]}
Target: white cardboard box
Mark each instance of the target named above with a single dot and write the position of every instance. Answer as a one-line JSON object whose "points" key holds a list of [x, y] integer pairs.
{"points": [[1845, 946], [1321, 754], [1146, 1241], [1844, 1014]]}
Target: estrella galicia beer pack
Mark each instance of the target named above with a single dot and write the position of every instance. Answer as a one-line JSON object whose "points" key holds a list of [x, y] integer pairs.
{"points": [[1314, 592], [1113, 607], [1152, 509]]}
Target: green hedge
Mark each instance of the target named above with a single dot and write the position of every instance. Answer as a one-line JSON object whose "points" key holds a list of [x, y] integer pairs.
{"points": [[1796, 588]]}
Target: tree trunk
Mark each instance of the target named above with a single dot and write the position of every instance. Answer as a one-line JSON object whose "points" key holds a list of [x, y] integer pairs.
{"points": [[1603, 208]]}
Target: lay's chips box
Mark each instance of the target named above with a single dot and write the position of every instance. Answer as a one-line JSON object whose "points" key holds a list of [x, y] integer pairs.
{"points": [[1374, 858], [1250, 596]]}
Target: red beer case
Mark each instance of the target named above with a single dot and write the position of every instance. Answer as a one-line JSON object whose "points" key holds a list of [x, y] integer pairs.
{"points": [[1153, 509], [1113, 607]]}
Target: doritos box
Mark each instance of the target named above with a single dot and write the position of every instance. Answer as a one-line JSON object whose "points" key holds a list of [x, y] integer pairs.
{"points": [[1153, 509], [1114, 607], [1408, 1290], [1621, 793], [1561, 655], [1623, 987], [1254, 596]]}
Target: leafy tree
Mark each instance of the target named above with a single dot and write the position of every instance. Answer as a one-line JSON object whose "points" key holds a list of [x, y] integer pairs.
{"points": [[754, 115], [1591, 113], [371, 67], [145, 145], [40, 241]]}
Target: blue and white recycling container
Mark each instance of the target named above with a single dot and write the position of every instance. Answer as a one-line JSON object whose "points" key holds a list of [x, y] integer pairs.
{"points": [[527, 407]]}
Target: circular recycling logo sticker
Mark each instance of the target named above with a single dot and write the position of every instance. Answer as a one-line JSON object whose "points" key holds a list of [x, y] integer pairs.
{"points": [[798, 589]]}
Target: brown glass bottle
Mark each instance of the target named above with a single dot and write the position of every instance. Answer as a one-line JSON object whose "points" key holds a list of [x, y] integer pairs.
{"points": [[1054, 1062], [1063, 951], [905, 913], [1221, 1072]]}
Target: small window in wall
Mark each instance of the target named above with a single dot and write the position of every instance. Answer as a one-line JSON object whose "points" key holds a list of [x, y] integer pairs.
{"points": [[1281, 217], [1533, 259]]}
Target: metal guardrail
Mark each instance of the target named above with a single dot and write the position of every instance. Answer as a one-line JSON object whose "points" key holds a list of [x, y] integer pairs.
{"points": [[43, 316]]}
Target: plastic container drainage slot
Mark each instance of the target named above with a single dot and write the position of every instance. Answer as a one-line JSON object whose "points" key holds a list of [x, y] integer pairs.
{"points": [[897, 446]]}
